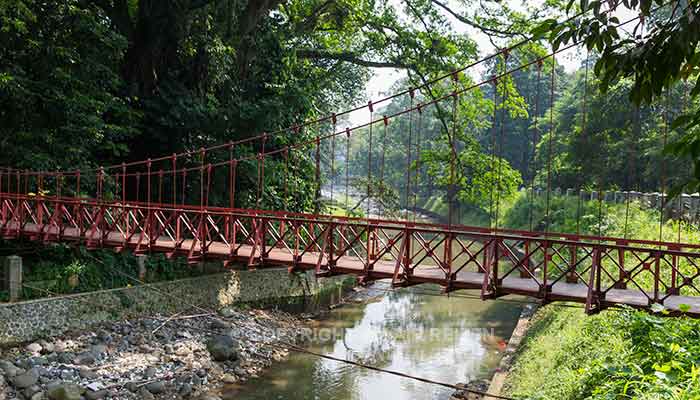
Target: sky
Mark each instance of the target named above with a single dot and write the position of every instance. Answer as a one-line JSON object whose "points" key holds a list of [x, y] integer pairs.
{"points": [[380, 83]]}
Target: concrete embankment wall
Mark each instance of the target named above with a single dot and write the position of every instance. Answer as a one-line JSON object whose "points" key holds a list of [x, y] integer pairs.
{"points": [[29, 320]]}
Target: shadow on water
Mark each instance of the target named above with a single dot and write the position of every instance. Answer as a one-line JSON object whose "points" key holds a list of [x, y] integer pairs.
{"points": [[451, 339]]}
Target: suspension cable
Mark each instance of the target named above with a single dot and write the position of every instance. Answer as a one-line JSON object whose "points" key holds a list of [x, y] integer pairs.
{"points": [[493, 150], [501, 139], [586, 137], [549, 144], [409, 156], [382, 183], [332, 178], [369, 159], [451, 188], [347, 171], [662, 203], [416, 188], [535, 140]]}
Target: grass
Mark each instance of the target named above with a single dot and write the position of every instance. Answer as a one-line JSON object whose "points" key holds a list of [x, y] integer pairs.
{"points": [[616, 354]]}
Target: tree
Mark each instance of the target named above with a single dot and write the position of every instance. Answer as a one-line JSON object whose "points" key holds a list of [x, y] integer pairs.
{"points": [[661, 51], [125, 80]]}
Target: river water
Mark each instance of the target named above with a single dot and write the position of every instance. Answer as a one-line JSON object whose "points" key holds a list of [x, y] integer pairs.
{"points": [[412, 330]]}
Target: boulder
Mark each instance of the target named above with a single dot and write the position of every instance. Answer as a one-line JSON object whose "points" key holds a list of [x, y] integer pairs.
{"points": [[26, 379], [223, 348]]}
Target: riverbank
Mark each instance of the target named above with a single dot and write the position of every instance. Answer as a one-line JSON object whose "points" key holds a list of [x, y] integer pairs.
{"points": [[157, 341], [161, 357]]}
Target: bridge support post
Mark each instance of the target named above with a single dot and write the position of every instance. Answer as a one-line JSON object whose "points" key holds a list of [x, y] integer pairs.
{"points": [[13, 277], [141, 263]]}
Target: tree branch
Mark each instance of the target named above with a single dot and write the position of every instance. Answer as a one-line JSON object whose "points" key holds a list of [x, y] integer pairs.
{"points": [[467, 21], [350, 57]]}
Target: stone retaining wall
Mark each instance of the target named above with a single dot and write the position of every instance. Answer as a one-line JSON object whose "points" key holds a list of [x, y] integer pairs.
{"points": [[29, 320]]}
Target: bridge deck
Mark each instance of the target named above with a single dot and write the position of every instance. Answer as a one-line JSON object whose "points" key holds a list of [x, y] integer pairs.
{"points": [[382, 269]]}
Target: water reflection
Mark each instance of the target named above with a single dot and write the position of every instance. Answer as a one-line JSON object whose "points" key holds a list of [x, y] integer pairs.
{"points": [[450, 339]]}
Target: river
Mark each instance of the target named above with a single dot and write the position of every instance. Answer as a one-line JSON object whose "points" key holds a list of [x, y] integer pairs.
{"points": [[412, 330]]}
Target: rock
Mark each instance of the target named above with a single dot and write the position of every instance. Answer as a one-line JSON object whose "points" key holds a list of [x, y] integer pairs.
{"points": [[30, 391], [67, 374], [84, 359], [185, 390], [5, 365], [34, 348], [227, 312], [66, 391], [222, 348], [144, 394], [87, 373], [37, 396], [182, 351], [94, 387], [10, 369], [25, 380], [34, 361], [208, 396], [219, 324], [228, 379], [100, 394], [65, 358], [98, 350], [132, 387], [59, 347], [156, 387], [104, 336], [46, 347], [149, 373]]}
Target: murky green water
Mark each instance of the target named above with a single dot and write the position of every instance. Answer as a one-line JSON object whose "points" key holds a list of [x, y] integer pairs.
{"points": [[450, 339]]}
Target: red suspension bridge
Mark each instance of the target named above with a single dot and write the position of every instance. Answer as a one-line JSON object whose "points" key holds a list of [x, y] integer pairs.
{"points": [[166, 205]]}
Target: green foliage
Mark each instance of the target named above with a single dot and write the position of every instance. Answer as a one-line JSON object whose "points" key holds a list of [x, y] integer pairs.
{"points": [[660, 53], [616, 354], [84, 84], [61, 270], [623, 354]]}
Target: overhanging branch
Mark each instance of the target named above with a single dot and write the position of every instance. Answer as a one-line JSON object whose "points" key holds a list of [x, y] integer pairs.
{"points": [[350, 57], [487, 30]]}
